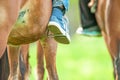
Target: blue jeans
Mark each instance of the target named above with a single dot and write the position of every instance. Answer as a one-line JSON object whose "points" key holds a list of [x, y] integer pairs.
{"points": [[57, 3]]}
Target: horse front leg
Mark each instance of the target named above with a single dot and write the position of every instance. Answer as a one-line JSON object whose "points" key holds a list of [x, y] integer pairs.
{"points": [[13, 57], [40, 61], [50, 48]]}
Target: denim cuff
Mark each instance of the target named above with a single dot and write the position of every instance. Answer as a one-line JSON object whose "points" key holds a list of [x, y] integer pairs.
{"points": [[57, 3]]}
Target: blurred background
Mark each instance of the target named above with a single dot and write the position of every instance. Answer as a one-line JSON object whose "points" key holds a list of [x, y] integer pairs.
{"points": [[86, 58]]}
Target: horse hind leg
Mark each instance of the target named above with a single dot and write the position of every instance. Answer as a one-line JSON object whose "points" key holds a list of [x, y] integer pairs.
{"points": [[13, 57], [24, 62], [40, 61]]}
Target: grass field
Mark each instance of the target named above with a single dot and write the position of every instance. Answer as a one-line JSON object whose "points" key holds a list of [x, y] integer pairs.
{"points": [[86, 58]]}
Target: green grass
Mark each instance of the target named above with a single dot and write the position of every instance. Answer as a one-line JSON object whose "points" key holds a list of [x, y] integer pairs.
{"points": [[86, 58]]}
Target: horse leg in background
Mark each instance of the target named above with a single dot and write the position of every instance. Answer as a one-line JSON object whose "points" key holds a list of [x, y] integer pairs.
{"points": [[8, 15], [13, 57], [112, 20], [24, 50], [108, 24], [40, 61], [50, 49], [113, 48], [4, 66]]}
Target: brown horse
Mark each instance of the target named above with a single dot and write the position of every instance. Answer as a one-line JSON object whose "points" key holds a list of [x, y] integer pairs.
{"points": [[30, 28], [108, 18]]}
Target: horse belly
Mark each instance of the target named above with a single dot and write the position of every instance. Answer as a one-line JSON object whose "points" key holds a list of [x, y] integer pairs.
{"points": [[33, 24]]}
